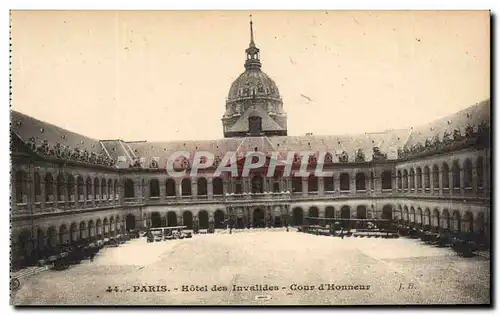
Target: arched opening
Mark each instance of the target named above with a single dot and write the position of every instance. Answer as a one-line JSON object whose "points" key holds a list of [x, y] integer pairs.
{"points": [[119, 225], [203, 219], [427, 177], [110, 189], [259, 219], [105, 226], [435, 218], [52, 234], [329, 213], [115, 187], [37, 186], [480, 225], [360, 181], [80, 188], [49, 188], [73, 231], [99, 230], [187, 219], [313, 215], [419, 216], [361, 212], [218, 187], [96, 189], [345, 213], [201, 186], [419, 178], [427, 218], [21, 187], [406, 215], [24, 247], [412, 179], [455, 170], [455, 221], [130, 222], [112, 226], [254, 125], [387, 212], [219, 221], [91, 230], [40, 241], [60, 187], [297, 184], [435, 177], [154, 188], [400, 180], [467, 223], [405, 179], [445, 220], [171, 218], [297, 216], [412, 215], [468, 174], [170, 187], [344, 182], [257, 184], [446, 178], [129, 188], [103, 189], [71, 188], [386, 180], [186, 187], [89, 188], [83, 231], [63, 234], [156, 220], [480, 173], [312, 183], [328, 184]]}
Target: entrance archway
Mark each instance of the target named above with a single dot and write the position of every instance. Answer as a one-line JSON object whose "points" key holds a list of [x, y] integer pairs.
{"points": [[203, 219], [187, 219], [171, 218], [155, 220], [345, 213], [130, 222], [219, 219], [259, 218], [313, 215], [387, 212], [297, 216]]}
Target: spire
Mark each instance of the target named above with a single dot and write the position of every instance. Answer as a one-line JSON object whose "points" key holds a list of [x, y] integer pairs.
{"points": [[252, 52], [252, 43]]}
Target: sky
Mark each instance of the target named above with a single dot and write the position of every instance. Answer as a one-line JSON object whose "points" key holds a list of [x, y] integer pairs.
{"points": [[165, 75]]}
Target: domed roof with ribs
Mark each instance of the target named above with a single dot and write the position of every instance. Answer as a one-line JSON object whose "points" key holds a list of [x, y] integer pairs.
{"points": [[253, 82]]}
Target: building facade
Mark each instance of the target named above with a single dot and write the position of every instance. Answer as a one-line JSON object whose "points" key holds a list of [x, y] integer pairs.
{"points": [[66, 187]]}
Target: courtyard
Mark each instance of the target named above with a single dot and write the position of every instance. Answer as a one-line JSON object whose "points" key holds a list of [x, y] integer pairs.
{"points": [[265, 267]]}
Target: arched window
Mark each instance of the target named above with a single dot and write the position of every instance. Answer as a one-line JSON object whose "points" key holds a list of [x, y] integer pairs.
{"points": [[80, 188], [257, 183], [419, 178], [115, 187], [88, 185], [427, 177], [49, 188], [129, 188], [218, 186], [71, 188], [400, 183], [297, 184], [21, 187], [446, 176], [455, 221], [38, 189], [468, 174], [202, 186], [387, 179], [456, 174], [328, 183], [96, 188], [154, 188], [480, 173], [186, 187], [435, 176], [103, 188], [412, 179], [60, 187], [170, 187], [255, 125], [110, 189], [360, 181], [312, 183], [345, 184], [405, 179]]}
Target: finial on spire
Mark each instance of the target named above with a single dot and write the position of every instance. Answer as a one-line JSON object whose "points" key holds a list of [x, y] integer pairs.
{"points": [[251, 32]]}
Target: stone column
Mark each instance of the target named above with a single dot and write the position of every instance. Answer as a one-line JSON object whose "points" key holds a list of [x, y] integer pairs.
{"points": [[352, 187], [441, 192], [305, 186], [321, 186], [210, 189], [462, 181], [194, 187], [450, 182], [163, 188], [178, 190], [336, 182]]}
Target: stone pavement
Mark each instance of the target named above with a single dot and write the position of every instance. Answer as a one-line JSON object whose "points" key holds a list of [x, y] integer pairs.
{"points": [[265, 267]]}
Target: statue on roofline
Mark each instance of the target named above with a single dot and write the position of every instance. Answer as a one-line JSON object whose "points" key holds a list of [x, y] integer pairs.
{"points": [[344, 157], [360, 156]]}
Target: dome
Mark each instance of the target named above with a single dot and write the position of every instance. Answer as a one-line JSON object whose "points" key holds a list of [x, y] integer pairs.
{"points": [[253, 82]]}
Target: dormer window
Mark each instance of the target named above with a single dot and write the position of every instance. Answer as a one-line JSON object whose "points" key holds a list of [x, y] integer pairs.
{"points": [[42, 130]]}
